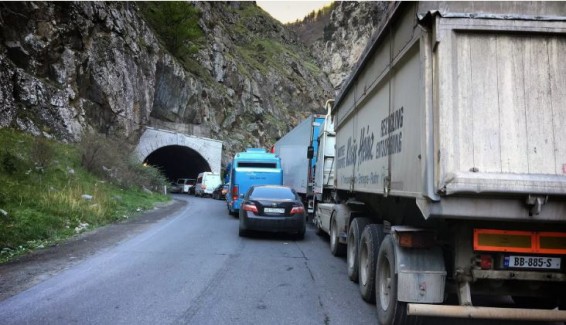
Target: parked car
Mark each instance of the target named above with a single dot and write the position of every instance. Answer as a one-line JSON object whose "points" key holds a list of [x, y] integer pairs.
{"points": [[273, 208], [174, 187], [206, 183], [185, 184], [220, 191], [182, 185]]}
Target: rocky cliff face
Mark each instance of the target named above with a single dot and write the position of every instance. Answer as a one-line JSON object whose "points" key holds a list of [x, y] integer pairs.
{"points": [[344, 38], [70, 67]]}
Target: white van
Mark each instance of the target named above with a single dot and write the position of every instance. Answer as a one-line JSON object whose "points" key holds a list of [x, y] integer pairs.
{"points": [[206, 183]]}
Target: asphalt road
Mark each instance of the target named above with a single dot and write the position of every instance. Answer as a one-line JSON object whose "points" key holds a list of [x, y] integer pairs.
{"points": [[190, 267]]}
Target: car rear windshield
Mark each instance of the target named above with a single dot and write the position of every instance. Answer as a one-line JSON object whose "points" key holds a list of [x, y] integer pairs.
{"points": [[272, 193]]}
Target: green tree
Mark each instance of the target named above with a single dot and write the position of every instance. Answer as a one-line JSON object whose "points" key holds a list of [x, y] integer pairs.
{"points": [[176, 23]]}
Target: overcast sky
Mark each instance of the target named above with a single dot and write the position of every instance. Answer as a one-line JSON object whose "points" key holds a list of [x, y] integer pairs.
{"points": [[289, 11]]}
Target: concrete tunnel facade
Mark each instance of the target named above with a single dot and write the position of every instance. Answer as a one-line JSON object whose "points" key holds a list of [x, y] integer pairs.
{"points": [[179, 155]]}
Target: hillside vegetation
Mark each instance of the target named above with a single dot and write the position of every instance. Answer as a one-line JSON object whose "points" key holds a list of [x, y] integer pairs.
{"points": [[51, 191]]}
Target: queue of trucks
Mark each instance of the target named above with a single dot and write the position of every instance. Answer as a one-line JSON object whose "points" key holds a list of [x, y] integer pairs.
{"points": [[307, 158], [440, 170]]}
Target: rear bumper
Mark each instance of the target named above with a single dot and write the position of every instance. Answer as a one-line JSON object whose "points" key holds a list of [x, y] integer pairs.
{"points": [[274, 224], [486, 312]]}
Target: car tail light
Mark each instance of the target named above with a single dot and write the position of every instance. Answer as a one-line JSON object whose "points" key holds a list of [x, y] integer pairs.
{"points": [[250, 207], [203, 187], [298, 210], [235, 192]]}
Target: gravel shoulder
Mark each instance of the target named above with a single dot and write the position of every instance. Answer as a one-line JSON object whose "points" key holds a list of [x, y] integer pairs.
{"points": [[31, 269]]}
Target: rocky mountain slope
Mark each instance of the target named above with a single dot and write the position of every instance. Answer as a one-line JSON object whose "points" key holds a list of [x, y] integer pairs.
{"points": [[343, 39], [72, 67]]}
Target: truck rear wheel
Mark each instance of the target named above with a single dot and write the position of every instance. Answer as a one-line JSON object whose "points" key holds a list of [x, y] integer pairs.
{"points": [[372, 236], [390, 311], [336, 248], [352, 257]]}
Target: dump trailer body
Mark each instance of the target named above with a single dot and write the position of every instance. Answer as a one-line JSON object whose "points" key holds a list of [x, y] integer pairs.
{"points": [[449, 146], [451, 104]]}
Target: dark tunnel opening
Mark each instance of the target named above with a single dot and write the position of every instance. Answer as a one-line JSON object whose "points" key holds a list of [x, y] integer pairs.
{"points": [[178, 162]]}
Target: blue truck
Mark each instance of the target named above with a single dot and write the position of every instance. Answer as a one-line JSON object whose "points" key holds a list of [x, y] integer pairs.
{"points": [[255, 166]]}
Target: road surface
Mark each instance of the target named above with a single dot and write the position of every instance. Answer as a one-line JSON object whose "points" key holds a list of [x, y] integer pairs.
{"points": [[192, 268]]}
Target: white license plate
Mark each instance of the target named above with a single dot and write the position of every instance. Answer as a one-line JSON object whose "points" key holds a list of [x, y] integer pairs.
{"points": [[274, 210], [532, 262]]}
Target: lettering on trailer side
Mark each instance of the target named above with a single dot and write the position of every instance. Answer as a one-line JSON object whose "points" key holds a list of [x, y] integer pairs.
{"points": [[355, 153], [340, 157], [393, 141], [366, 145]]}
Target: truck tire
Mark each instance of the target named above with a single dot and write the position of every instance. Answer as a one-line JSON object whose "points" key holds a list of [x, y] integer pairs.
{"points": [[352, 258], [390, 311], [368, 248], [319, 230], [336, 248]]}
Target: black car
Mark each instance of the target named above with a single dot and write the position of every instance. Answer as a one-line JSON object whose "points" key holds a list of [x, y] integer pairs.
{"points": [[220, 191], [273, 208]]}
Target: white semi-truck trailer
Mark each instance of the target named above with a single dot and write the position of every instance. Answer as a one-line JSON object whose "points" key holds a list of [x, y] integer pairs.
{"points": [[451, 162], [297, 150]]}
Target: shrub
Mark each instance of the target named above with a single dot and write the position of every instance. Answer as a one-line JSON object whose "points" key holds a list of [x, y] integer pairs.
{"points": [[176, 24], [65, 199], [108, 158]]}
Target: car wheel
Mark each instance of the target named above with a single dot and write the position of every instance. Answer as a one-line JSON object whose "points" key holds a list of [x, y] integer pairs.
{"points": [[352, 257], [336, 248]]}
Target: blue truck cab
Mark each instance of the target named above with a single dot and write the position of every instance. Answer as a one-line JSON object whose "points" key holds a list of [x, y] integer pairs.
{"points": [[255, 166]]}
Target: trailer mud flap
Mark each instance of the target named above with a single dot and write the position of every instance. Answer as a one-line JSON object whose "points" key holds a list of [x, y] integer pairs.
{"points": [[421, 274]]}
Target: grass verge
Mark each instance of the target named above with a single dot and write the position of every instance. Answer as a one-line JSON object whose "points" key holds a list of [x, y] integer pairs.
{"points": [[46, 195]]}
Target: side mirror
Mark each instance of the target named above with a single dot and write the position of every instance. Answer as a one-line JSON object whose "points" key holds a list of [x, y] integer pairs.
{"points": [[310, 152]]}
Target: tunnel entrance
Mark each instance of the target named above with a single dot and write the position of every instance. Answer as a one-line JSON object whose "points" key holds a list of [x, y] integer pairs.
{"points": [[178, 162]]}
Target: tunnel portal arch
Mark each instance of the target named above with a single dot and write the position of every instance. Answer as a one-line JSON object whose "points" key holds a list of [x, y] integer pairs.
{"points": [[179, 155]]}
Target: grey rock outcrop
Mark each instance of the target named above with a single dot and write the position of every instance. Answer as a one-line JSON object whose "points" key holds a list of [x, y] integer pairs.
{"points": [[351, 25]]}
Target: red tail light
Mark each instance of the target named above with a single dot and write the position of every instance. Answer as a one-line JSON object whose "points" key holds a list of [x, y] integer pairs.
{"points": [[250, 207], [235, 192], [203, 187], [297, 210], [486, 262]]}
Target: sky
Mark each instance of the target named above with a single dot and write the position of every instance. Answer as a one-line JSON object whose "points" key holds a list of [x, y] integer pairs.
{"points": [[290, 11]]}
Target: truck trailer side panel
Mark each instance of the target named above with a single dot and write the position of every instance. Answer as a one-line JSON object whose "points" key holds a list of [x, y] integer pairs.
{"points": [[380, 121]]}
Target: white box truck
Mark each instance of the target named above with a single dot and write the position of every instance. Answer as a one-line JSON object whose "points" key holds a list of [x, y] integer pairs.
{"points": [[296, 150], [450, 162]]}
